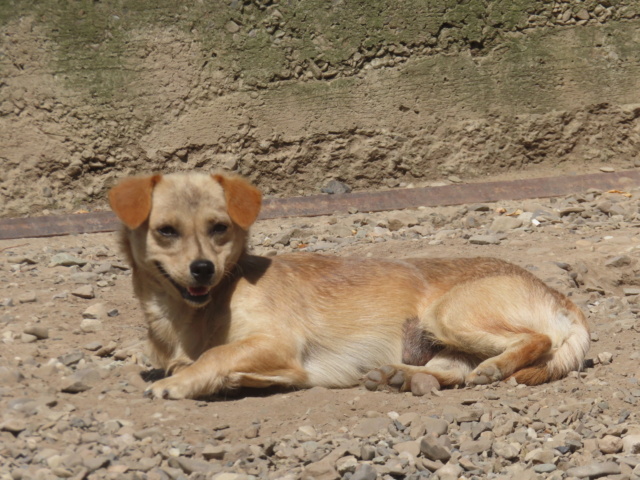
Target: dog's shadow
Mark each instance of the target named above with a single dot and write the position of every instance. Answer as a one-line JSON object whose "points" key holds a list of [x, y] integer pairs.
{"points": [[152, 375], [155, 374]]}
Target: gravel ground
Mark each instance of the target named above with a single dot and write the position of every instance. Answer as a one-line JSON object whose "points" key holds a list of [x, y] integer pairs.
{"points": [[73, 364]]}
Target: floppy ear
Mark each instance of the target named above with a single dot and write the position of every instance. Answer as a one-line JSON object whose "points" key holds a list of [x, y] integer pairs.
{"points": [[131, 199], [243, 199]]}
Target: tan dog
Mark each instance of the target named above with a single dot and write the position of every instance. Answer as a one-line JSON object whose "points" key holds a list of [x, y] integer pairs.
{"points": [[220, 318]]}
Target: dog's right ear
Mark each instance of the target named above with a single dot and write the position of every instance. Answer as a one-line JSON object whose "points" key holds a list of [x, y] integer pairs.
{"points": [[131, 199]]}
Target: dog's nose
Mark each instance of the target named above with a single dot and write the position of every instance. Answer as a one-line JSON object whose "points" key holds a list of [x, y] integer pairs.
{"points": [[202, 270]]}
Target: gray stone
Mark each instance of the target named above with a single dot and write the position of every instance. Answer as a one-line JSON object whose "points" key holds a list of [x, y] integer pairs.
{"points": [[367, 452], [396, 467], [232, 27], [412, 447], [88, 325], [85, 291], [322, 470], [6, 302], [364, 471], [544, 468], [190, 465], [370, 426], [26, 338], [484, 240], [38, 331], [80, 381], [610, 444], [72, 358], [540, 455], [569, 210], [583, 14], [13, 425], [252, 431], [84, 278], [346, 464], [307, 432], [423, 383], [433, 449], [22, 260], [9, 376], [594, 470], [93, 346], [619, 261], [470, 447], [409, 418], [107, 350], [449, 472], [96, 311], [335, 187], [66, 260], [214, 452], [631, 444], [232, 476], [283, 237], [104, 267], [436, 426], [395, 224], [95, 463], [472, 415], [605, 358], [504, 224], [148, 432], [29, 297], [145, 464], [510, 451], [479, 207]]}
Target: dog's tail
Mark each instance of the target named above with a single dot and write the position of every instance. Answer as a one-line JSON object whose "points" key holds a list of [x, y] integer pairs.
{"points": [[569, 356]]}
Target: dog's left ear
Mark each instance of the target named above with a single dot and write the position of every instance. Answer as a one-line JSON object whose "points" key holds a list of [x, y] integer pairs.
{"points": [[131, 199], [243, 199]]}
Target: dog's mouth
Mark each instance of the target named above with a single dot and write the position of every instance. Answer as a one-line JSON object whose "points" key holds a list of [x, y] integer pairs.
{"points": [[198, 294]]}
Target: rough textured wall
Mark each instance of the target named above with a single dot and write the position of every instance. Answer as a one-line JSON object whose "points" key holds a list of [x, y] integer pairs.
{"points": [[296, 92]]}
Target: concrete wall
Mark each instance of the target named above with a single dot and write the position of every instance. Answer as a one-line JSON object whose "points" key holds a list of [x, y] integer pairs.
{"points": [[293, 93]]}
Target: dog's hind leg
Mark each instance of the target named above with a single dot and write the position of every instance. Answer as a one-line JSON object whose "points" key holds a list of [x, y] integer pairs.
{"points": [[449, 367], [505, 321], [524, 350]]}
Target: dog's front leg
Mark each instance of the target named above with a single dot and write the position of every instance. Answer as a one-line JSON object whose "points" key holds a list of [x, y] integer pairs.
{"points": [[257, 361]]}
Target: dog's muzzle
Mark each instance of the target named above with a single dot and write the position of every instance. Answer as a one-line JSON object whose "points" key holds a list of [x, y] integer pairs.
{"points": [[202, 272]]}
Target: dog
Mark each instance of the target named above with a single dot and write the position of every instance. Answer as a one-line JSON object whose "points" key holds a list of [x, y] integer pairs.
{"points": [[220, 318]]}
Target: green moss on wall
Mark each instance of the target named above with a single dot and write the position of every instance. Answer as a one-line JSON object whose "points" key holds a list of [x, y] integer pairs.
{"points": [[261, 40]]}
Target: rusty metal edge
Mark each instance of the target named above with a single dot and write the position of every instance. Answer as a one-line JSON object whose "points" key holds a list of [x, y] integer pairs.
{"points": [[97, 222]]}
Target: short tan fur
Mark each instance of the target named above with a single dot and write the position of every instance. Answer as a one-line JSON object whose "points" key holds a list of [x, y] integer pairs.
{"points": [[220, 318]]}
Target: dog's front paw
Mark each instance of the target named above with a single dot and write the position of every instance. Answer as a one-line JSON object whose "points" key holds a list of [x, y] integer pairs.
{"points": [[387, 377], [483, 375], [171, 388]]}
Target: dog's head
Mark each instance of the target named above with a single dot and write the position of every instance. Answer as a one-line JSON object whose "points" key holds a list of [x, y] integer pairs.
{"points": [[185, 231]]}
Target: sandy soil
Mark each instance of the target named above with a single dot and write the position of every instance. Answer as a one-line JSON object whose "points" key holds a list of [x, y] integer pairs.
{"points": [[78, 329]]}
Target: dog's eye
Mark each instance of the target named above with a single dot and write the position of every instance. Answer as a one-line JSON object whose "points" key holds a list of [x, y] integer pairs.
{"points": [[218, 229], [167, 231]]}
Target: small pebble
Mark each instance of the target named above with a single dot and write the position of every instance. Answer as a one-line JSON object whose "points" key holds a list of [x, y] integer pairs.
{"points": [[85, 291], [422, 383]]}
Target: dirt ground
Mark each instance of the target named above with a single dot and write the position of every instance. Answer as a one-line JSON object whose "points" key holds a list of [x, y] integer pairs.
{"points": [[73, 363]]}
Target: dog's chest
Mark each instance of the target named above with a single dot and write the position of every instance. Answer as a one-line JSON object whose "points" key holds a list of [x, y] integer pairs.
{"points": [[185, 333]]}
